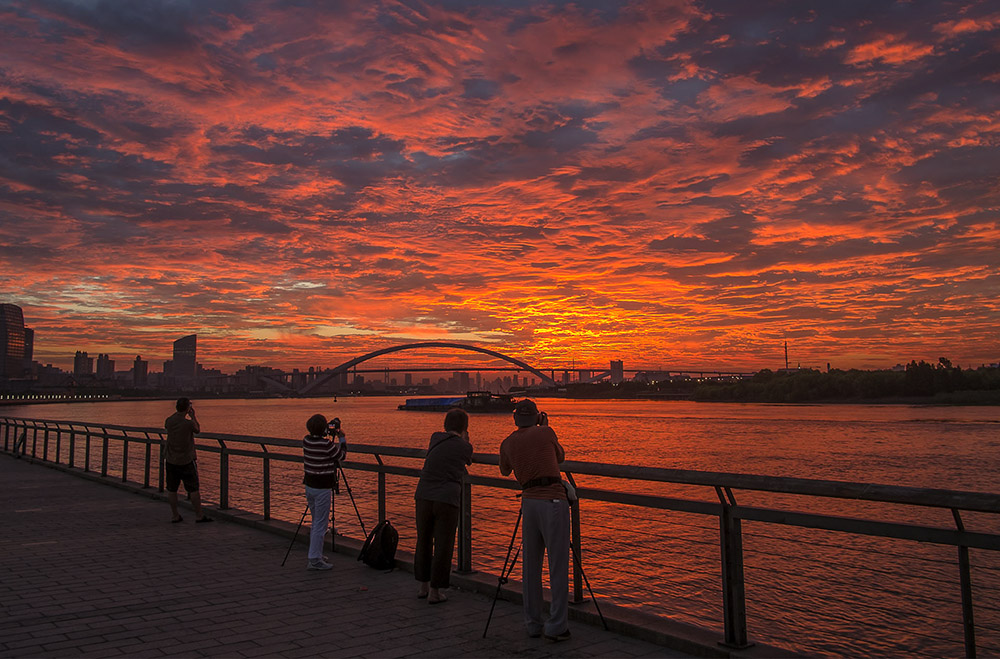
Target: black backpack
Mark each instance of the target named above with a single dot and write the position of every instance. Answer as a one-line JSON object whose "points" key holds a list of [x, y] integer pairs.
{"points": [[379, 550]]}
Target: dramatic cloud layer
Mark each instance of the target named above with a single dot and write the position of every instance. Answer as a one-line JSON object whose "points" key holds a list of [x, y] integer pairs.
{"points": [[672, 183]]}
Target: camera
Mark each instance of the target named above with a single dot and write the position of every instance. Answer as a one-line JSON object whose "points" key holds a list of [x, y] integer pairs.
{"points": [[543, 419], [333, 427]]}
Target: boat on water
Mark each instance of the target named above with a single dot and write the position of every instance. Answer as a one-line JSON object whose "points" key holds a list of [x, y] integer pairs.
{"points": [[473, 401]]}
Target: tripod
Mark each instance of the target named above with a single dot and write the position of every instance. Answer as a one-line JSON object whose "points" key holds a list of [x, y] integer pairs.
{"points": [[333, 517], [508, 569]]}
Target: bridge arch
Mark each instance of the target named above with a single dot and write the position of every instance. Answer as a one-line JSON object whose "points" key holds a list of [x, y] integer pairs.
{"points": [[346, 366]]}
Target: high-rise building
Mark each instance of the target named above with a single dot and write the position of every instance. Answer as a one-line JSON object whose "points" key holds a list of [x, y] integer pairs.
{"points": [[185, 357], [83, 364], [105, 367], [617, 371], [140, 372], [11, 341], [29, 349]]}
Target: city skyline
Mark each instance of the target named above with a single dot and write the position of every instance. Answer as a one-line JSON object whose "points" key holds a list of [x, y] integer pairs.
{"points": [[665, 183]]}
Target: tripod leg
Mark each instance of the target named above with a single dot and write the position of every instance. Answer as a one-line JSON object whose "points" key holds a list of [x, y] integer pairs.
{"points": [[353, 502], [295, 536], [579, 566], [505, 572], [333, 522]]}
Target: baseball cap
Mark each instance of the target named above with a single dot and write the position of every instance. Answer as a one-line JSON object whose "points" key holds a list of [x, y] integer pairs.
{"points": [[525, 413]]}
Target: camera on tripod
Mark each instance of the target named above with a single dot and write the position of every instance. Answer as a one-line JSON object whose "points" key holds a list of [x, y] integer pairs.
{"points": [[333, 430]]}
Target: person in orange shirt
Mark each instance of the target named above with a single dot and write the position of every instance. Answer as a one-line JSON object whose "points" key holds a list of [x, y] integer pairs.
{"points": [[533, 453]]}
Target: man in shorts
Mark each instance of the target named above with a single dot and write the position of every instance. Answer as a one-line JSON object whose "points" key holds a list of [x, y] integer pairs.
{"points": [[181, 461]]}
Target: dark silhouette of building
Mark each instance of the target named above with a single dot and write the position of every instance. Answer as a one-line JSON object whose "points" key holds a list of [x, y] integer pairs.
{"points": [[11, 341], [140, 372], [184, 366], [617, 371], [83, 365], [105, 367], [29, 350]]}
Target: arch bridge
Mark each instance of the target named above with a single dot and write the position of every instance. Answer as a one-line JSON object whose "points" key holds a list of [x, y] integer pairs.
{"points": [[348, 365]]}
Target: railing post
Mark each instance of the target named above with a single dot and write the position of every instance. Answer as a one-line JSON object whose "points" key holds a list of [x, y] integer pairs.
{"points": [[381, 489], [72, 447], [125, 456], [86, 451], [465, 529], [58, 443], [267, 483], [733, 585], [575, 537], [160, 461], [34, 439], [6, 435], [965, 575], [148, 462], [105, 442], [223, 475], [45, 443]]}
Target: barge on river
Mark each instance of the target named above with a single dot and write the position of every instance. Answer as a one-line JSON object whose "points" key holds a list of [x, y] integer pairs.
{"points": [[473, 401]]}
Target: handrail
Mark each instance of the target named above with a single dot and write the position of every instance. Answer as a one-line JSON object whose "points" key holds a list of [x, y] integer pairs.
{"points": [[729, 513], [916, 496]]}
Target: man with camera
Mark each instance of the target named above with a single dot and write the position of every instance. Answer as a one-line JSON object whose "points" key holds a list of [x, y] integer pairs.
{"points": [[533, 453], [181, 459], [322, 450]]}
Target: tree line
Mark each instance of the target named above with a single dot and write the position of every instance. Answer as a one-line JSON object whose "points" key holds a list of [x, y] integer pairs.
{"points": [[941, 383]]}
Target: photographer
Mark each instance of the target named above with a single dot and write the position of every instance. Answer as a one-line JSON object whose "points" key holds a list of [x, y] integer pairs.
{"points": [[322, 450], [438, 497], [182, 460], [533, 453]]}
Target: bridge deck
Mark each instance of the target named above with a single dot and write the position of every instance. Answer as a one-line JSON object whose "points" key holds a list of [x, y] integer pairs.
{"points": [[92, 570]]}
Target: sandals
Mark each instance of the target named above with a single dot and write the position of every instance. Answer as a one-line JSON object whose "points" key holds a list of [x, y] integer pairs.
{"points": [[441, 598], [178, 520]]}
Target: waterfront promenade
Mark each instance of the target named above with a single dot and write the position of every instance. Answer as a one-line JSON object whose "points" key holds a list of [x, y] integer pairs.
{"points": [[93, 570]]}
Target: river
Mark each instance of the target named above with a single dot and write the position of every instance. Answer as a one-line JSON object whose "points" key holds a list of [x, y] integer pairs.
{"points": [[817, 592]]}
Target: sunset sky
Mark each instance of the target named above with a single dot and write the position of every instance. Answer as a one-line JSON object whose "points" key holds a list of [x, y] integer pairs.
{"points": [[674, 184]]}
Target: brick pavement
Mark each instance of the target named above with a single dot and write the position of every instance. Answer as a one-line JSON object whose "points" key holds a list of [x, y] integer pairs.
{"points": [[91, 570]]}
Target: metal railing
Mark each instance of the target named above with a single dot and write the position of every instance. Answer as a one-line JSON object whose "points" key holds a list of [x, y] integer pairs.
{"points": [[36, 437]]}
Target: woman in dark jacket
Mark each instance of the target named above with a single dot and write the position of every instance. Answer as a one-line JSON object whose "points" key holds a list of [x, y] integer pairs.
{"points": [[438, 496]]}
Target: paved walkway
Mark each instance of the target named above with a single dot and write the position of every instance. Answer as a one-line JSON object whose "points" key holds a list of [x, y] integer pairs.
{"points": [[91, 570]]}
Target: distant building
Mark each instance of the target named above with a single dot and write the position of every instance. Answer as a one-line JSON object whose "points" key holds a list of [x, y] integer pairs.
{"points": [[140, 372], [11, 341], [105, 367], [29, 349], [185, 364], [83, 364], [617, 371]]}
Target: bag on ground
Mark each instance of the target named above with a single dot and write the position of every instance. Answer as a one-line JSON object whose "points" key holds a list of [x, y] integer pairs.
{"points": [[379, 550]]}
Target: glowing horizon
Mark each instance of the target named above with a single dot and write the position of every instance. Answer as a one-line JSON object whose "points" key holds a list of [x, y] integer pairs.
{"points": [[672, 184]]}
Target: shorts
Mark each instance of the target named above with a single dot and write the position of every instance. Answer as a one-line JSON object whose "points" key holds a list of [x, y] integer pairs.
{"points": [[187, 473]]}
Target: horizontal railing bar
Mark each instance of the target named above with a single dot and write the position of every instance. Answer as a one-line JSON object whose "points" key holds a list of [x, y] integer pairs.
{"points": [[977, 501], [960, 500], [870, 527], [651, 501]]}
